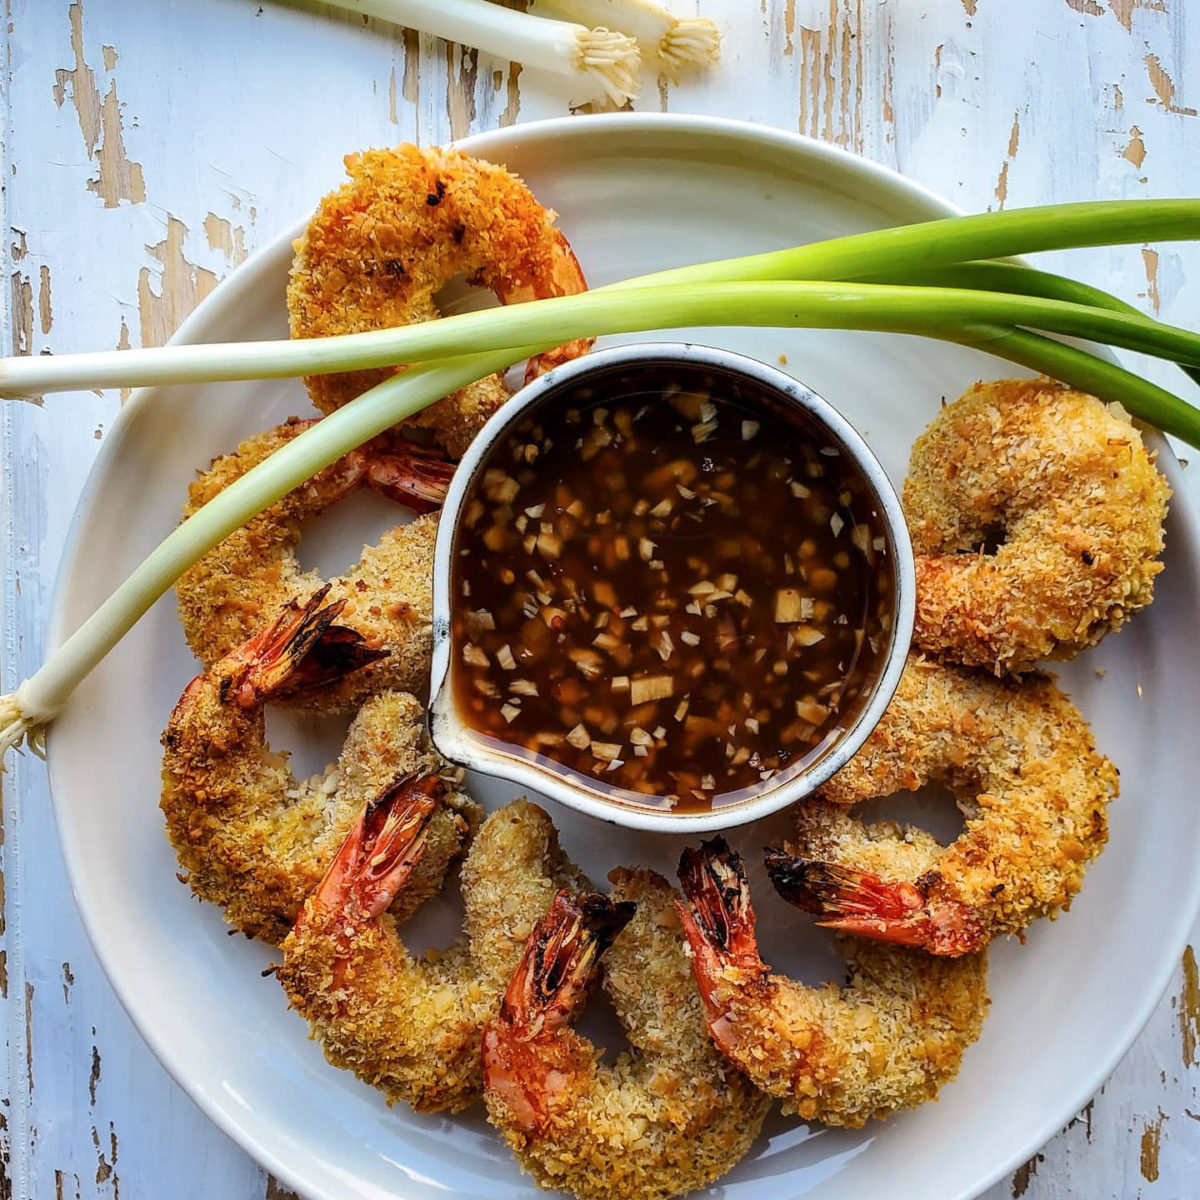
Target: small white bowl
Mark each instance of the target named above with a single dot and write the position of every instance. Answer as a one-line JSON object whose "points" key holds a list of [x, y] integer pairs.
{"points": [[459, 743]]}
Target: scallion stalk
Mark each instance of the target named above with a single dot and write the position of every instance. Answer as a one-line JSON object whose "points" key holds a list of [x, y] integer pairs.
{"points": [[25, 714], [891, 253], [1020, 280], [924, 311], [926, 244], [1097, 376], [605, 59]]}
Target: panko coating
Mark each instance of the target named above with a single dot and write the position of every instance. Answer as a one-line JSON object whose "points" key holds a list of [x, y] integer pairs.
{"points": [[411, 1025], [1024, 769], [886, 1039], [380, 248], [254, 574], [251, 837], [1066, 486], [670, 1115]]}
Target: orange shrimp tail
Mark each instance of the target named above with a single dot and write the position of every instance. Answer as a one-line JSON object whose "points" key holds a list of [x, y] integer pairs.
{"points": [[861, 903], [381, 850], [302, 646], [412, 474], [547, 361], [718, 918], [527, 1060], [551, 980], [336, 653]]}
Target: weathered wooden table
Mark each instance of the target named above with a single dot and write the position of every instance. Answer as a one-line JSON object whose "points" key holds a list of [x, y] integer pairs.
{"points": [[149, 145]]}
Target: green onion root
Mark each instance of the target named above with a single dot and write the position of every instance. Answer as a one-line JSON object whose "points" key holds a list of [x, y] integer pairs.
{"points": [[606, 59]]}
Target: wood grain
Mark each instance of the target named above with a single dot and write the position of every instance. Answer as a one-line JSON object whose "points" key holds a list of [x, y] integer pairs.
{"points": [[147, 148]]}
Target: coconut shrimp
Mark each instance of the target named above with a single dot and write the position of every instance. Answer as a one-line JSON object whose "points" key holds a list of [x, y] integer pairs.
{"points": [[1023, 766], [667, 1117], [885, 1040], [412, 1025], [254, 574], [250, 836], [380, 248], [1066, 486]]}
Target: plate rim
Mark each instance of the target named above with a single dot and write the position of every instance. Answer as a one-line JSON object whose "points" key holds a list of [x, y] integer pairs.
{"points": [[243, 278]]}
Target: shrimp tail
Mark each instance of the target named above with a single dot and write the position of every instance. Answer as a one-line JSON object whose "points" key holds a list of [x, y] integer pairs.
{"points": [[717, 918], [412, 474], [337, 652], [862, 903], [529, 1061], [551, 980], [301, 645], [381, 850], [549, 359]]}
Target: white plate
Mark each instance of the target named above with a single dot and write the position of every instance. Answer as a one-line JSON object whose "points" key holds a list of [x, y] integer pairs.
{"points": [[635, 193]]}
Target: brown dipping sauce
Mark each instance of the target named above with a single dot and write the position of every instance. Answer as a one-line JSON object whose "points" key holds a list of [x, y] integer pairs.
{"points": [[670, 583]]}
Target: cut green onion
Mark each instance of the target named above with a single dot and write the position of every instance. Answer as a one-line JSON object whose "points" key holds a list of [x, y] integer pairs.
{"points": [[676, 42], [605, 59]]}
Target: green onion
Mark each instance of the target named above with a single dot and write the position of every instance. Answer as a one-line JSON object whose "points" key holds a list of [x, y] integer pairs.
{"points": [[1025, 281], [897, 253], [927, 311], [1088, 373], [24, 715], [928, 244], [1013, 278]]}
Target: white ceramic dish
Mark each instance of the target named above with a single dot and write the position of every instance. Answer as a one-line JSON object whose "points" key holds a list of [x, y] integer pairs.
{"points": [[454, 738], [1066, 1005]]}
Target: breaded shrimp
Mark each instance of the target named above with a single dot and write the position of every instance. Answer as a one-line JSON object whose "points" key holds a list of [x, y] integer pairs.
{"points": [[412, 1026], [1067, 486], [885, 1040], [1023, 766], [666, 1118], [250, 577], [250, 836], [380, 248]]}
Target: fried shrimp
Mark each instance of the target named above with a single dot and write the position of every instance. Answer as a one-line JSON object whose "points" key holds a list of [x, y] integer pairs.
{"points": [[1070, 492], [250, 836], [379, 249], [412, 1025], [253, 575], [1023, 767], [666, 1118], [885, 1040]]}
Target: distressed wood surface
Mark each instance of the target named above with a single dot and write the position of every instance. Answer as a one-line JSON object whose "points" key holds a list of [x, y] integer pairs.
{"points": [[149, 146]]}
